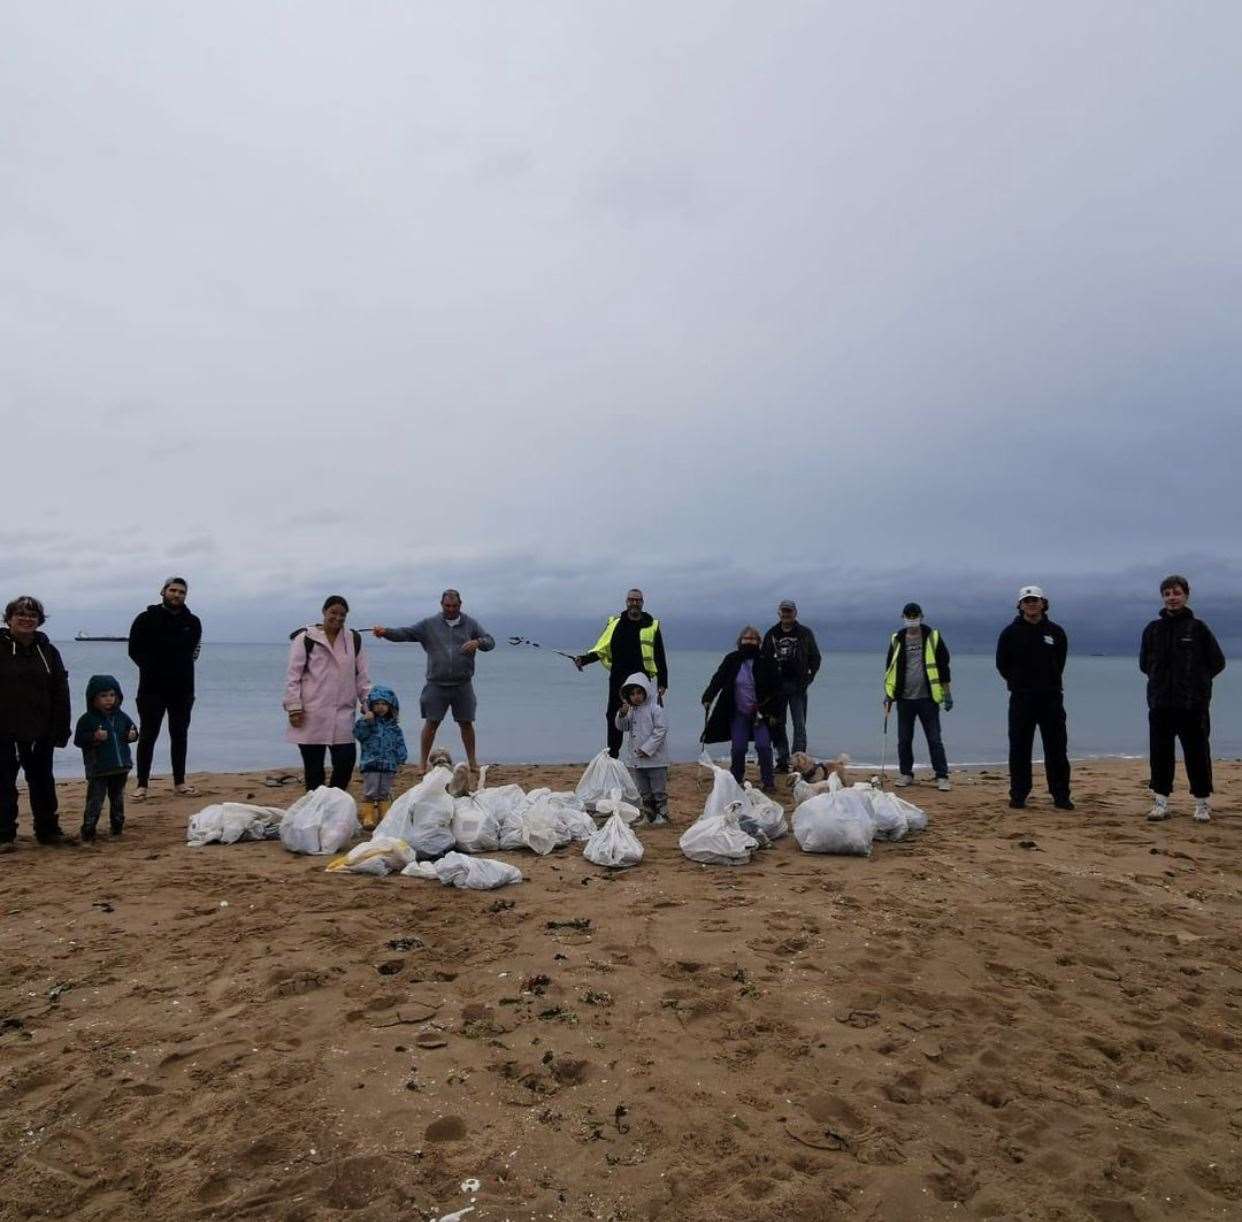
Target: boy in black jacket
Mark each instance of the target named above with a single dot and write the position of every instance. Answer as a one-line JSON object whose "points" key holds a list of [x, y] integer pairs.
{"points": [[1180, 657], [104, 734], [1030, 655]]}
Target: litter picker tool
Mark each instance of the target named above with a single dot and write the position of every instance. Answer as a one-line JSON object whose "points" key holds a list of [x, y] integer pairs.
{"points": [[525, 640]]}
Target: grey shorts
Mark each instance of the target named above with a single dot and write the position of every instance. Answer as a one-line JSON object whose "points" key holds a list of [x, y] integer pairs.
{"points": [[437, 700]]}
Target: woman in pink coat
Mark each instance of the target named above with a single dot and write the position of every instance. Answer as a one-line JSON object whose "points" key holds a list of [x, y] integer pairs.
{"points": [[326, 681]]}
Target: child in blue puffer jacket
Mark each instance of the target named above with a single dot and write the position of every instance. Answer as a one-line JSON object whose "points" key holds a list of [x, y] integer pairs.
{"points": [[383, 751], [104, 733]]}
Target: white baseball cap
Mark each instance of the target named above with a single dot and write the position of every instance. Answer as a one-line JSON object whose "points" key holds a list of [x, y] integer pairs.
{"points": [[1030, 592]]}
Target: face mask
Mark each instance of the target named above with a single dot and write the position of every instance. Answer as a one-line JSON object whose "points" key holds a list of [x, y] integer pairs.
{"points": [[750, 651], [912, 623]]}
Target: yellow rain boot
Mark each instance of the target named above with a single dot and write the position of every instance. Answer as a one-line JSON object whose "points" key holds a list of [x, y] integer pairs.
{"points": [[370, 816], [383, 808]]}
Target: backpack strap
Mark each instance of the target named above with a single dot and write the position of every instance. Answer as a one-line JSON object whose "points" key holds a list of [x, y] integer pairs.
{"points": [[310, 644]]}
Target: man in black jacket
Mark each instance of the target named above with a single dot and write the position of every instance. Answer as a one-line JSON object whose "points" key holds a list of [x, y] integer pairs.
{"points": [[1030, 655], [1180, 657], [798, 660], [630, 642], [164, 641]]}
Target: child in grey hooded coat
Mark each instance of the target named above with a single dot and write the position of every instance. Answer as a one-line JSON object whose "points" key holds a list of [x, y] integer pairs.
{"points": [[642, 717]]}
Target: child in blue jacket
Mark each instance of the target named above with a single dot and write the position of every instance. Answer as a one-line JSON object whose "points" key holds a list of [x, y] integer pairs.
{"points": [[104, 733], [383, 751]]}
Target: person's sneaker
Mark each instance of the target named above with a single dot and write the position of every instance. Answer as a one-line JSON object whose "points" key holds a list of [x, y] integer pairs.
{"points": [[1203, 812], [1159, 810], [140, 794], [87, 835], [115, 829], [943, 784], [1063, 804], [1017, 803], [903, 780]]}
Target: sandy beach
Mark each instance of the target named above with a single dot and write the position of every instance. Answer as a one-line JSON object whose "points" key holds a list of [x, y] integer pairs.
{"points": [[1017, 1015]]}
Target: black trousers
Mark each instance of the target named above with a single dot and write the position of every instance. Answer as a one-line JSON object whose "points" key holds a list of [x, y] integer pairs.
{"points": [[151, 709], [1193, 728], [927, 712], [615, 736], [344, 755], [35, 760], [111, 787], [1044, 711]]}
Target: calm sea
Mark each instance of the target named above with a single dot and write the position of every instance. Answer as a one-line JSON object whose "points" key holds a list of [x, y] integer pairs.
{"points": [[535, 707]]}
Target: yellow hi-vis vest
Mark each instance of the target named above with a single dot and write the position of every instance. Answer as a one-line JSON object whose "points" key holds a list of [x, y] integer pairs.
{"points": [[646, 638], [929, 662]]}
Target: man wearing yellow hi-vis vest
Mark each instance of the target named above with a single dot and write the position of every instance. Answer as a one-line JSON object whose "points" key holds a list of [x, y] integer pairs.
{"points": [[630, 642], [916, 677]]}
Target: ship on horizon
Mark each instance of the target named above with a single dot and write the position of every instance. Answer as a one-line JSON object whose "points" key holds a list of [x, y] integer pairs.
{"points": [[86, 636]]}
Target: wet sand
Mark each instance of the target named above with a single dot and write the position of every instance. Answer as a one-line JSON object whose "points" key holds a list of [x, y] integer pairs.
{"points": [[1017, 1015]]}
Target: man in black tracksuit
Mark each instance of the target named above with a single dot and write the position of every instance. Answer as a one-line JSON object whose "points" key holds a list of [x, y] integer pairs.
{"points": [[1180, 657], [1030, 655], [798, 660], [163, 643]]}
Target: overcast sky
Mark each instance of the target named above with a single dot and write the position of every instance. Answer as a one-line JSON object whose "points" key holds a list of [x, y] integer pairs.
{"points": [[543, 300]]}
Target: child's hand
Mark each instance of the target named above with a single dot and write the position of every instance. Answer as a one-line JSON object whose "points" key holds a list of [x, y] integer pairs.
{"points": [[132, 736], [368, 714], [101, 736]]}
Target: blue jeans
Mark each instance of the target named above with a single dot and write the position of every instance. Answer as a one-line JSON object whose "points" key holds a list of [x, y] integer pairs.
{"points": [[792, 698], [927, 711], [743, 727]]}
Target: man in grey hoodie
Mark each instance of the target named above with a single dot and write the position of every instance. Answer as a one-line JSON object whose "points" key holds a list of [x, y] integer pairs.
{"points": [[451, 640], [642, 717]]}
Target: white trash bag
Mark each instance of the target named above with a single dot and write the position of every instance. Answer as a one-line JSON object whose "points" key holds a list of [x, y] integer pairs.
{"points": [[502, 800], [229, 822], [889, 815], [718, 840], [725, 788], [475, 829], [380, 855], [614, 845], [574, 824], [916, 817], [423, 816], [541, 831], [475, 873], [838, 822], [769, 815], [614, 804], [322, 821], [600, 776]]}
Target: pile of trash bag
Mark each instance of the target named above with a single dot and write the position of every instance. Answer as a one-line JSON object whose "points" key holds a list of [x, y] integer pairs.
{"points": [[324, 820], [423, 816], [229, 822], [846, 821]]}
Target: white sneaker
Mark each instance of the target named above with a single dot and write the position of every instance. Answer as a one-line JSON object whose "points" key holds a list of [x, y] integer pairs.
{"points": [[1159, 809], [943, 784], [1203, 813], [902, 780]]}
